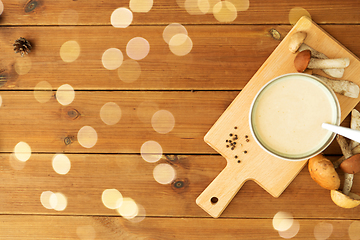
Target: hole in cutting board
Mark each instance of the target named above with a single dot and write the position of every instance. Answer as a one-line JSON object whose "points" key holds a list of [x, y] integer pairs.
{"points": [[214, 200]]}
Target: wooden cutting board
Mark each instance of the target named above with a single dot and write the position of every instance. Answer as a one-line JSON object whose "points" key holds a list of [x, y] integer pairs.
{"points": [[247, 161]]}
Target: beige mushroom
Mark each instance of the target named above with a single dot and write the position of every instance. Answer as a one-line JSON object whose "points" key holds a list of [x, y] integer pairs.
{"points": [[322, 171], [296, 43], [345, 199], [304, 60], [343, 87]]}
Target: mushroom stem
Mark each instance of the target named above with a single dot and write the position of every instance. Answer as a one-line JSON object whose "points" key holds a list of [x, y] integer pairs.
{"points": [[354, 124], [349, 179], [343, 87], [333, 72], [345, 149], [316, 63]]}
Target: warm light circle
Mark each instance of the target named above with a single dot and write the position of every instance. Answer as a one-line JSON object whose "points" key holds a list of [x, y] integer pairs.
{"points": [[137, 48], [110, 113], [112, 58], [121, 18], [112, 198], [87, 137], [65, 94], [151, 151], [70, 51], [22, 151]]}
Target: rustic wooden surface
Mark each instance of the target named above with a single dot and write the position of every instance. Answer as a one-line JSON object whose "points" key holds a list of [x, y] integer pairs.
{"points": [[196, 89]]}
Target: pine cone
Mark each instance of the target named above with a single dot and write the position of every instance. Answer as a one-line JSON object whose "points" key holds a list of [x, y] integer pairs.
{"points": [[22, 46]]}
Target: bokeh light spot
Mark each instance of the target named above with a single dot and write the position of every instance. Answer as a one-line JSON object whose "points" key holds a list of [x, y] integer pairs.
{"points": [[112, 198], [173, 29], [110, 113], [58, 201], [43, 92], [282, 221], [225, 12], [121, 18], [296, 13], [151, 151], [137, 48], [86, 232], [180, 44], [87, 137], [45, 199], [354, 230], [22, 151], [112, 58], [23, 65], [128, 209], [1, 7], [164, 173], [323, 231], [291, 232], [65, 94], [61, 164], [142, 6], [129, 71], [163, 121], [70, 51]]}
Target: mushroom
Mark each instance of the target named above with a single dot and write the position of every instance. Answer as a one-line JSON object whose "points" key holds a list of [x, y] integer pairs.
{"points": [[354, 146], [296, 43], [304, 60], [343, 87], [322, 171], [351, 165], [354, 124], [345, 199], [333, 72]]}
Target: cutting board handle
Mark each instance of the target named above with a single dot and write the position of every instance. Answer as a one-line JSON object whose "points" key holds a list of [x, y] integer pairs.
{"points": [[215, 198]]}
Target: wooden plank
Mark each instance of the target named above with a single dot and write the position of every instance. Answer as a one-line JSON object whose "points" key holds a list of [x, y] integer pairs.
{"points": [[57, 227], [18, 12], [45, 126], [222, 57], [91, 174]]}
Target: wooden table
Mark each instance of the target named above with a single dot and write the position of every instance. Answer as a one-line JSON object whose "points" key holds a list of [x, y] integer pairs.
{"points": [[188, 94]]}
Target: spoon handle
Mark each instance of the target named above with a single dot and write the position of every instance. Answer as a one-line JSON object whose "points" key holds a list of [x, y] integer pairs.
{"points": [[343, 131]]}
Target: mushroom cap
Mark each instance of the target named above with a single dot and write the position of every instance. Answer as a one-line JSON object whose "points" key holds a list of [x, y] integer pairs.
{"points": [[302, 60], [322, 171], [296, 40], [344, 201], [351, 165]]}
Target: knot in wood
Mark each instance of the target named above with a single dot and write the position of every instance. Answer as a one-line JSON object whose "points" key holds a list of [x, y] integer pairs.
{"points": [[31, 5], [67, 140], [275, 34]]}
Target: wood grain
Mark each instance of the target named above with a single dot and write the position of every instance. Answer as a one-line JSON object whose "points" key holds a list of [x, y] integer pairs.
{"points": [[91, 174], [52, 227], [222, 58], [52, 12], [194, 113]]}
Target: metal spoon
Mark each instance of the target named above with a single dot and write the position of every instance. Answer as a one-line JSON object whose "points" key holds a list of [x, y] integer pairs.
{"points": [[343, 131]]}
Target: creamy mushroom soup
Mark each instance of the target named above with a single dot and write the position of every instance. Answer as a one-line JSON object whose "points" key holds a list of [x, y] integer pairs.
{"points": [[287, 115]]}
